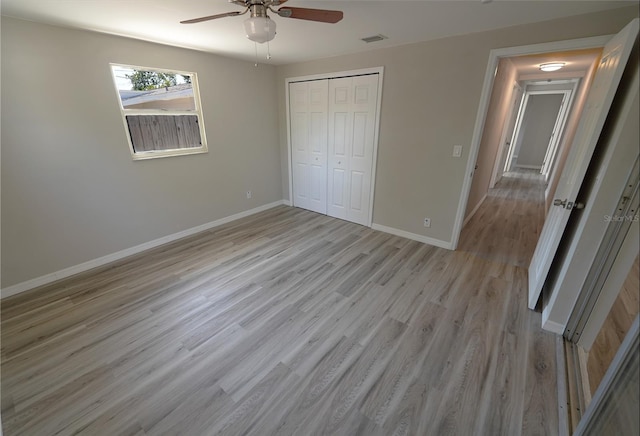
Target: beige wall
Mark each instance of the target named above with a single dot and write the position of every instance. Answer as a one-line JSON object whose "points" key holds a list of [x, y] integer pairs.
{"points": [[71, 192], [497, 114], [430, 98]]}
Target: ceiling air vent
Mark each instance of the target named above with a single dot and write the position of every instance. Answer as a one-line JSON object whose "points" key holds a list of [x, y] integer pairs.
{"points": [[374, 38]]}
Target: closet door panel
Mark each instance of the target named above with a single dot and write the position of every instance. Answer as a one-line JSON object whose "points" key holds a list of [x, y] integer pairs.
{"points": [[352, 121], [300, 158], [308, 112], [339, 146]]}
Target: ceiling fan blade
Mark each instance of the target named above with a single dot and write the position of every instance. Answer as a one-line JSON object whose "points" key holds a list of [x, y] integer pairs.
{"points": [[211, 17], [321, 15]]}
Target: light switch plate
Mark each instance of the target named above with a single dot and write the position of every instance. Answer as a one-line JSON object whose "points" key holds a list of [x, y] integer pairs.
{"points": [[457, 150]]}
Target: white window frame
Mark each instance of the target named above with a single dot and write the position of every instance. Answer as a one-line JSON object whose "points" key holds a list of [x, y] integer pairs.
{"points": [[152, 154]]}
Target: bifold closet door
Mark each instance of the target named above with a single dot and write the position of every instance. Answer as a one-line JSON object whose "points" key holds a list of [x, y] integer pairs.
{"points": [[352, 119], [308, 112]]}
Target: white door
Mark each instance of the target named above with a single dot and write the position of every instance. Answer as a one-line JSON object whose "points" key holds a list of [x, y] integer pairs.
{"points": [[506, 137], [352, 120], [308, 111], [516, 134], [606, 80], [555, 136]]}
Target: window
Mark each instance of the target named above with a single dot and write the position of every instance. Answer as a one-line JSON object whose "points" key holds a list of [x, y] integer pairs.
{"points": [[161, 111]]}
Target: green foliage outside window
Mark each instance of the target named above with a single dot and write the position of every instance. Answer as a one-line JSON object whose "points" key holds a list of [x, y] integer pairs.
{"points": [[147, 80]]}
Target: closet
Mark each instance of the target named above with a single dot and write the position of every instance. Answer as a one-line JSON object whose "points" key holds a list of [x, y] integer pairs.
{"points": [[333, 124]]}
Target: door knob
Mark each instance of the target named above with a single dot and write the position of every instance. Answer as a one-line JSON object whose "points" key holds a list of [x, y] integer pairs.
{"points": [[558, 202], [568, 204]]}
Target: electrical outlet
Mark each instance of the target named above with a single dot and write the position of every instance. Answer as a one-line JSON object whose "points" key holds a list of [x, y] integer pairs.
{"points": [[249, 194], [427, 222]]}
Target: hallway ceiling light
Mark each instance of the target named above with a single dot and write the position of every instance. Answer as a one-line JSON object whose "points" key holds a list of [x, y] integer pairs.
{"points": [[552, 66]]}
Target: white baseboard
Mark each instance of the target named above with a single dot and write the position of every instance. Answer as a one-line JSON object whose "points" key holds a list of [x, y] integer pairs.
{"points": [[85, 266], [413, 236], [475, 209], [553, 327], [548, 325]]}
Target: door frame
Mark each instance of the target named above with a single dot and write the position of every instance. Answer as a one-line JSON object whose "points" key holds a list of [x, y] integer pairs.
{"points": [[376, 133], [619, 374], [495, 56]]}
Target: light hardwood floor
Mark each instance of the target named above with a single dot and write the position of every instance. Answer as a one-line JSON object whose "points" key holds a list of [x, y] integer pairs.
{"points": [[292, 323]]}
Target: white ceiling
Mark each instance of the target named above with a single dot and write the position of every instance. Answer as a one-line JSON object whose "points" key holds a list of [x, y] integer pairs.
{"points": [[403, 22]]}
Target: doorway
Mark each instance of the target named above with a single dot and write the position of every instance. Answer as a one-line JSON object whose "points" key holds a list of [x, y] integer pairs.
{"points": [[515, 121], [610, 69], [537, 134], [535, 131], [532, 55]]}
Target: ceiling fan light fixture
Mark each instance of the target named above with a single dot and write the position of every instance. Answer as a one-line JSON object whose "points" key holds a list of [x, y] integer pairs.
{"points": [[552, 66], [260, 29]]}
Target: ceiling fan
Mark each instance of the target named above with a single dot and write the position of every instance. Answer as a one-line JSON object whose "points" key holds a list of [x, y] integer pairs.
{"points": [[260, 27]]}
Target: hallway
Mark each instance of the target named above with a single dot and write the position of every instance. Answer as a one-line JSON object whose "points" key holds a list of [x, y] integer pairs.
{"points": [[507, 225]]}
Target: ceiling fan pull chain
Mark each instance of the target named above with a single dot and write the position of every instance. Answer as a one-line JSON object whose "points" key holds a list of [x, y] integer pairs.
{"points": [[268, 51], [256, 45]]}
